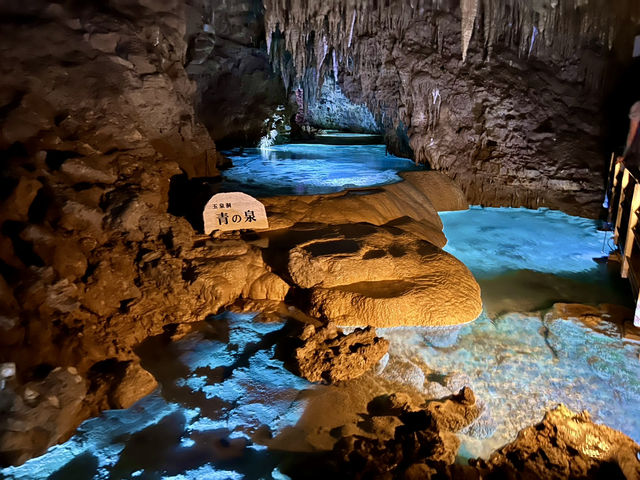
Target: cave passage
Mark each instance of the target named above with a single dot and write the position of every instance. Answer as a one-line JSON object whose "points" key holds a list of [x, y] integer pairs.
{"points": [[228, 408]]}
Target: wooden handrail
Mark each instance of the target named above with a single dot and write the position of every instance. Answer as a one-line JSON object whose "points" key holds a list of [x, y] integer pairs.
{"points": [[627, 191]]}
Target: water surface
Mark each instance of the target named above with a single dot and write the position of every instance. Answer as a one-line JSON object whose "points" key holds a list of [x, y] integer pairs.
{"points": [[305, 169], [226, 400]]}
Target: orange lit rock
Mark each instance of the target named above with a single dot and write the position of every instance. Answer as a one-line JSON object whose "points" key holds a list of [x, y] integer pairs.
{"points": [[366, 275], [406, 205], [566, 445], [328, 355], [136, 383]]}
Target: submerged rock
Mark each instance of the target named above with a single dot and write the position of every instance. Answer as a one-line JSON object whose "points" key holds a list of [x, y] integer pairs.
{"points": [[423, 445], [328, 355]]}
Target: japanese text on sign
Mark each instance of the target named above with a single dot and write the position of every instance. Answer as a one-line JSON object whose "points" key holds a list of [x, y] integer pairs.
{"points": [[234, 211]]}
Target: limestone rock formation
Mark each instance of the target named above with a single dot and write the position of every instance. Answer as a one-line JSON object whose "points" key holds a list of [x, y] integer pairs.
{"points": [[566, 445], [442, 192], [330, 356], [365, 275], [38, 414], [422, 445], [505, 97], [237, 89], [332, 110], [409, 205], [136, 383], [94, 122]]}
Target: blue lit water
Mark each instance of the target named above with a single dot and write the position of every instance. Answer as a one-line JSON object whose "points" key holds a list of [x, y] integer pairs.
{"points": [[225, 397], [520, 364], [305, 169], [493, 241]]}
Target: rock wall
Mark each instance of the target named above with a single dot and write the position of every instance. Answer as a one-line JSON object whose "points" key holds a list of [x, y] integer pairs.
{"points": [[237, 88], [330, 109], [505, 96], [96, 115]]}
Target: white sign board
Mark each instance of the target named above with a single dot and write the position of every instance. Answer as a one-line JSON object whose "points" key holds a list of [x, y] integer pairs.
{"points": [[636, 47], [234, 211]]}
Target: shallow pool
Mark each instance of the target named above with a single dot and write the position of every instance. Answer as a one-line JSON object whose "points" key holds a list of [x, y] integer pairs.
{"points": [[305, 169], [226, 401]]}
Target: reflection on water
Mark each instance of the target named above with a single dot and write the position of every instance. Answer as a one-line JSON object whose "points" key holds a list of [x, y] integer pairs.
{"points": [[304, 169], [228, 409], [223, 396]]}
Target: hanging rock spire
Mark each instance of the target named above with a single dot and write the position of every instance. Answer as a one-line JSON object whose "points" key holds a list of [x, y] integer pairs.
{"points": [[469, 9]]}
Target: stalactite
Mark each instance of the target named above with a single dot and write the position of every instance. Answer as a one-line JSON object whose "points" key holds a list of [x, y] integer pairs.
{"points": [[537, 28], [469, 9]]}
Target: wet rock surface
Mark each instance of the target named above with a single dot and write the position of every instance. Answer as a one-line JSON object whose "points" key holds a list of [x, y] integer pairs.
{"points": [[38, 414], [423, 444], [566, 445], [328, 355], [409, 205]]}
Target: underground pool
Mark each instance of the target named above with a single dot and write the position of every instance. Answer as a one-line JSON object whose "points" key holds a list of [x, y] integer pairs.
{"points": [[227, 408]]}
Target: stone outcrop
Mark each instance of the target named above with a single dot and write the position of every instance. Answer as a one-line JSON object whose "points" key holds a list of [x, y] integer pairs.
{"points": [[328, 355], [510, 106], [360, 274], [566, 445], [409, 205], [94, 122]]}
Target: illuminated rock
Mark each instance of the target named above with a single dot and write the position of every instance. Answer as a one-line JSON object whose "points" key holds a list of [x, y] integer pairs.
{"points": [[411, 205], [136, 383], [566, 445], [441, 191], [380, 276], [329, 356]]}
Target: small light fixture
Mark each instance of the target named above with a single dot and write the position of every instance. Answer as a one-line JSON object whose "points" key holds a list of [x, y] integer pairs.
{"points": [[636, 47]]}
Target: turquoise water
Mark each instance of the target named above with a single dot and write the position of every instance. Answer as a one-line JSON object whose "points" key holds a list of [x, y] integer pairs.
{"points": [[305, 169], [224, 395]]}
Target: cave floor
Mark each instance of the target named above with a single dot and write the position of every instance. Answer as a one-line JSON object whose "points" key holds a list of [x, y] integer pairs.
{"points": [[227, 407]]}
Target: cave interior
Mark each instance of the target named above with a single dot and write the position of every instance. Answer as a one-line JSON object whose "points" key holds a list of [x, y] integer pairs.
{"points": [[431, 269]]}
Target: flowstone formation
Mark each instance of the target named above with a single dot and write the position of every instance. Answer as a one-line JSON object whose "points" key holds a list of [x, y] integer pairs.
{"points": [[503, 96], [373, 257], [383, 277]]}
